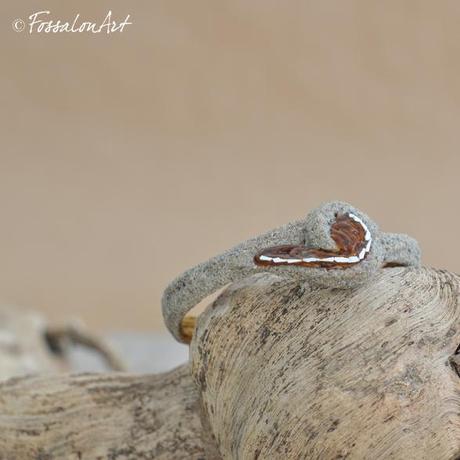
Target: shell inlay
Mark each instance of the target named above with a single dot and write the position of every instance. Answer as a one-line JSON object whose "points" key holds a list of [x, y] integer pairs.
{"points": [[351, 235]]}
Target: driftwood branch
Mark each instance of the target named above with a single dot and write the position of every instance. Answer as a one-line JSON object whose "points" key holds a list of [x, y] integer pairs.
{"points": [[116, 416], [287, 371], [29, 344], [279, 370], [62, 338]]}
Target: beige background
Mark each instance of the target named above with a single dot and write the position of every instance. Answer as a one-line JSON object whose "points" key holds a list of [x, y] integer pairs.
{"points": [[127, 158]]}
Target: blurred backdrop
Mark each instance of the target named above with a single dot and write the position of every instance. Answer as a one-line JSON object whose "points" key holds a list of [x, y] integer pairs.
{"points": [[127, 158]]}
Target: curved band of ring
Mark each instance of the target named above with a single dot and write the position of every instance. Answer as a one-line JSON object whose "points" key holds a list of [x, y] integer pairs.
{"points": [[336, 246]]}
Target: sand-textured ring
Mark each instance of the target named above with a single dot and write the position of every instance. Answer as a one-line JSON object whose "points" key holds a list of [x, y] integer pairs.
{"points": [[335, 246]]}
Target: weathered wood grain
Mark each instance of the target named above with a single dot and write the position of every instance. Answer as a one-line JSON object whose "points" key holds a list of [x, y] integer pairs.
{"points": [[279, 370], [94, 416], [288, 372]]}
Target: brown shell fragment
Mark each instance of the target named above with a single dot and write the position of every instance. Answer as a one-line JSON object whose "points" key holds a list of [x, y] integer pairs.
{"points": [[348, 233]]}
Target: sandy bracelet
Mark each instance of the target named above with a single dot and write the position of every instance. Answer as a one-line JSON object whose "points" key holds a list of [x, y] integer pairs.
{"points": [[335, 246]]}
